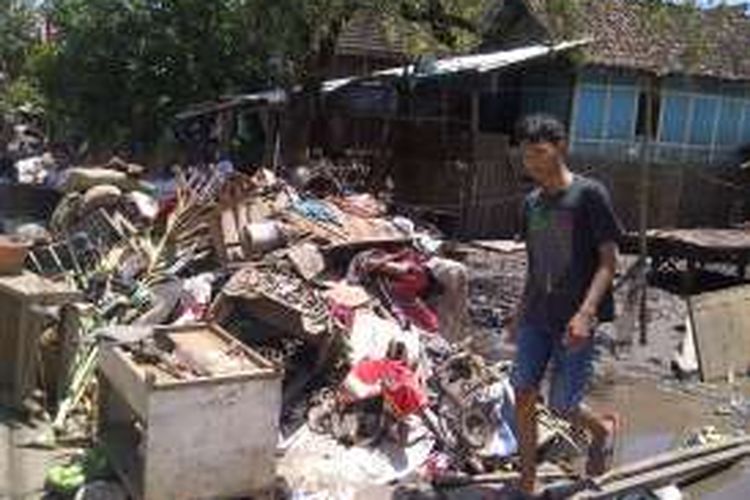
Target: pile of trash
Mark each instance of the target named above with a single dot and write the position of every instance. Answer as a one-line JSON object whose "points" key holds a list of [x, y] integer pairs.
{"points": [[360, 307], [363, 310]]}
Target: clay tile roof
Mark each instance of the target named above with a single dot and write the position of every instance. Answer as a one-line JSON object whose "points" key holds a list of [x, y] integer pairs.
{"points": [[660, 38], [366, 33]]}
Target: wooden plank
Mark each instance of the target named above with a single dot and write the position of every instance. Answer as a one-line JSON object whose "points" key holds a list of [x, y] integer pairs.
{"points": [[721, 325], [546, 472], [10, 312], [499, 246], [665, 475], [231, 233], [670, 457], [38, 290], [30, 328], [484, 211]]}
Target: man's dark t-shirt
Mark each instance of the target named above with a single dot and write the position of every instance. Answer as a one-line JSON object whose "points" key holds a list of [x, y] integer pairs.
{"points": [[563, 232]]}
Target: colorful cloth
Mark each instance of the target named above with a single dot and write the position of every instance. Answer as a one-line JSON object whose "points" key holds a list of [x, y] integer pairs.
{"points": [[316, 210], [399, 386], [404, 290]]}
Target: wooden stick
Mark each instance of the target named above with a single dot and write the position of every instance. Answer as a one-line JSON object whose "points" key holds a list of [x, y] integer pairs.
{"points": [[457, 481], [669, 458]]}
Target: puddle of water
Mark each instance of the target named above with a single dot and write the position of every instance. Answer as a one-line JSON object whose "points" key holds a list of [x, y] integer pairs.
{"points": [[640, 446], [655, 421]]}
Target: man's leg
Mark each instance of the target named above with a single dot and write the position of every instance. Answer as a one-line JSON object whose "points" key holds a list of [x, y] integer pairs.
{"points": [[570, 377], [602, 431], [526, 400], [534, 348]]}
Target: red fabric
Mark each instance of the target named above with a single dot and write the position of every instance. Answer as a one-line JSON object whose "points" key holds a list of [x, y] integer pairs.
{"points": [[404, 289], [420, 314], [407, 289], [414, 282], [401, 388]]}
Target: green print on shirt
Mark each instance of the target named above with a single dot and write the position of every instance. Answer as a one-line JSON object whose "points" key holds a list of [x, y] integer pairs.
{"points": [[540, 219]]}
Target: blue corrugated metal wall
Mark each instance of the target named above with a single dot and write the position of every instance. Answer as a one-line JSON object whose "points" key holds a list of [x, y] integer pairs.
{"points": [[699, 120]]}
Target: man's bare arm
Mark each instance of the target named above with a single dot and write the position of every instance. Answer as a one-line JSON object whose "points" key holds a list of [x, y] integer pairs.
{"points": [[602, 281], [580, 326]]}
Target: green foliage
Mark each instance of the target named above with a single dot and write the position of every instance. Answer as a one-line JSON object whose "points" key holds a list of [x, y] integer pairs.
{"points": [[17, 39], [121, 68], [21, 93], [16, 36]]}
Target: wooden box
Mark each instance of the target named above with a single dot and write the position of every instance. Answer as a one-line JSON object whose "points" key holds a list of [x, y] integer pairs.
{"points": [[20, 329], [203, 437]]}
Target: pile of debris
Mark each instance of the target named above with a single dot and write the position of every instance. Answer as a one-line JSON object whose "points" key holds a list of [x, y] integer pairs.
{"points": [[222, 301], [324, 283]]}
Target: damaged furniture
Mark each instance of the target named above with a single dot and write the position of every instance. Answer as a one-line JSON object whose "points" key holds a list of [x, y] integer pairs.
{"points": [[21, 328], [206, 426]]}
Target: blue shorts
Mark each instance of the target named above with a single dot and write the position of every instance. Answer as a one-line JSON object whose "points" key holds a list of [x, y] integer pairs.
{"points": [[571, 368]]}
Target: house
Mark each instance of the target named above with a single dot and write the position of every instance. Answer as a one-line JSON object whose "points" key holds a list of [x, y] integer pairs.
{"points": [[694, 65], [636, 81]]}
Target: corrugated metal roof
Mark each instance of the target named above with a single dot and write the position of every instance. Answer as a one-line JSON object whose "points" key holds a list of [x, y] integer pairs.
{"points": [[479, 63], [271, 97]]}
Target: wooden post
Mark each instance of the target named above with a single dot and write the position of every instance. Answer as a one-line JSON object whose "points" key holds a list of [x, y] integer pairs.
{"points": [[475, 110], [276, 161], [645, 186]]}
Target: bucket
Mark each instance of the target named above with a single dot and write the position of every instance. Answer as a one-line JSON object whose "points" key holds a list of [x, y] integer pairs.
{"points": [[13, 252], [264, 236]]}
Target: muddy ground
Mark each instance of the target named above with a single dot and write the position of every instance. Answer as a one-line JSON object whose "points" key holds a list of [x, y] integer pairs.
{"points": [[657, 410]]}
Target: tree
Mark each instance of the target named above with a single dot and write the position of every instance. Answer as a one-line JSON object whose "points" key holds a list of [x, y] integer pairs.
{"points": [[17, 37], [120, 68]]}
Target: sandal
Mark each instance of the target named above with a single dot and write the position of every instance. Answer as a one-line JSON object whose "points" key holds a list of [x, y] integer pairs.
{"points": [[600, 457]]}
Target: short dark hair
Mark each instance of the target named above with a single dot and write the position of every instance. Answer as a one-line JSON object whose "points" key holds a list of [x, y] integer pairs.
{"points": [[540, 128]]}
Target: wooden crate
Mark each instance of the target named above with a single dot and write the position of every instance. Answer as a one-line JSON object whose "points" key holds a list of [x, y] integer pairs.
{"points": [[205, 437], [20, 329]]}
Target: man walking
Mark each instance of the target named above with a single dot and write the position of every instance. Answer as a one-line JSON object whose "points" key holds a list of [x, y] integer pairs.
{"points": [[571, 234]]}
